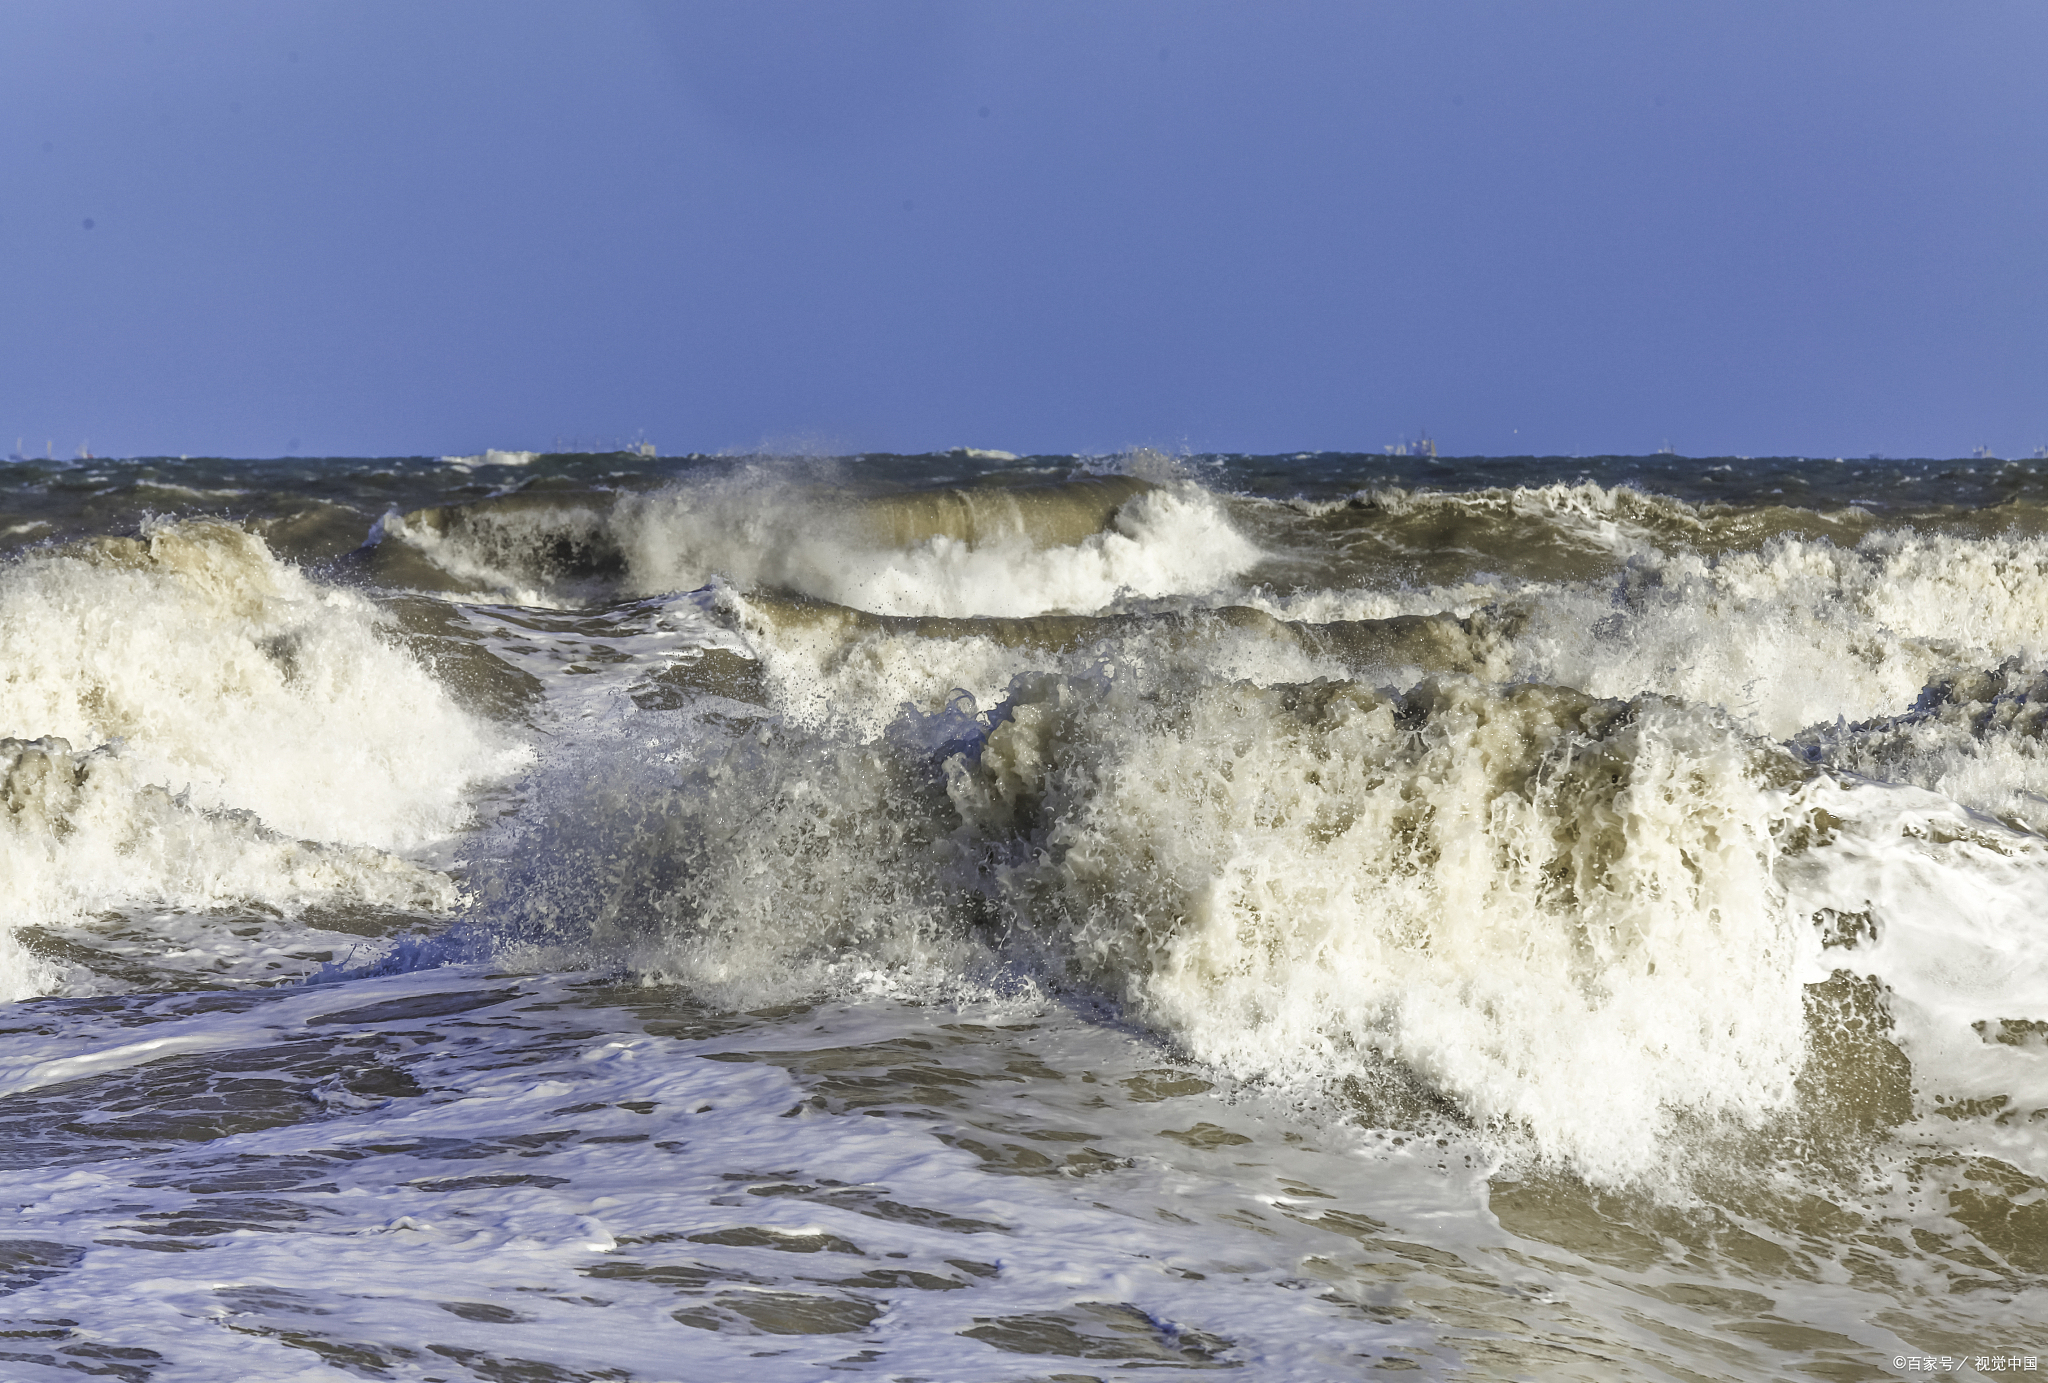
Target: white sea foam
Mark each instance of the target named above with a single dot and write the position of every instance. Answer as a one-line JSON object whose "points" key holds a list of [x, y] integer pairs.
{"points": [[824, 666], [88, 832], [225, 730], [1975, 736], [510, 552], [588, 1193], [1796, 633], [1562, 914], [1804, 632], [1076, 546], [1579, 924], [1293, 900], [1631, 939], [1166, 541], [761, 866], [1617, 520], [491, 456], [1952, 918], [1588, 923]]}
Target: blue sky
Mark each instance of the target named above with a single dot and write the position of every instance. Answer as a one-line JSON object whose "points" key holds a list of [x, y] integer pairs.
{"points": [[1756, 228]]}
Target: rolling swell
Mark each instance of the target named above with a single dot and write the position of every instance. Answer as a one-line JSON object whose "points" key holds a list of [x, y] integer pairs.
{"points": [[1042, 515], [1559, 910], [1670, 865], [1586, 924], [544, 540], [830, 662], [200, 726], [1496, 760], [572, 546], [1564, 533], [1457, 837]]}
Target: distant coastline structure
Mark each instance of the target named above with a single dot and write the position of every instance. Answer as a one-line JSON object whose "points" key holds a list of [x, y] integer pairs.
{"points": [[49, 452]]}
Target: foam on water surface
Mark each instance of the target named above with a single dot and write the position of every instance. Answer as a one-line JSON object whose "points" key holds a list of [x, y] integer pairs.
{"points": [[970, 917], [1007, 550], [197, 725], [491, 1175]]}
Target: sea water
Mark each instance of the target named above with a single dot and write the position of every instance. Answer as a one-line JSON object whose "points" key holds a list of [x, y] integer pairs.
{"points": [[968, 917]]}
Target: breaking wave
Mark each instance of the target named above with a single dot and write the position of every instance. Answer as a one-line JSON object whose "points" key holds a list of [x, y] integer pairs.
{"points": [[194, 723]]}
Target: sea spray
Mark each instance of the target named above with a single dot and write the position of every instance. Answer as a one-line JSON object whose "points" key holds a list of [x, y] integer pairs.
{"points": [[1073, 548], [827, 663], [766, 864], [1264, 912], [1012, 550], [198, 724], [1561, 911]]}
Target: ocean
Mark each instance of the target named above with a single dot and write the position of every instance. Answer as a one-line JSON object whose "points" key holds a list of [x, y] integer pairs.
{"points": [[535, 918]]}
